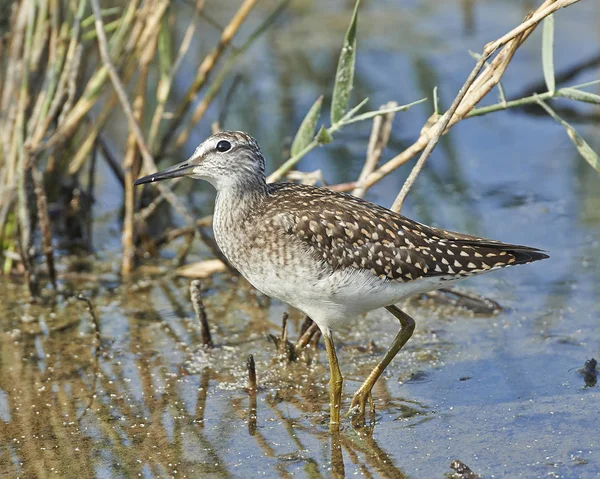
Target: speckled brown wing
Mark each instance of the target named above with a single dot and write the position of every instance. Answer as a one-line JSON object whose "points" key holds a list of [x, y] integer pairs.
{"points": [[348, 232]]}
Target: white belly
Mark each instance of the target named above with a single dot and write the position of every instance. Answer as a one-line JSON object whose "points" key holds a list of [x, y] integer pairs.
{"points": [[336, 297]]}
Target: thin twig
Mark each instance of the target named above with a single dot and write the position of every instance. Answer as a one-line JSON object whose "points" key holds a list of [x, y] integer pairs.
{"points": [[435, 134], [471, 92], [175, 233], [110, 159]]}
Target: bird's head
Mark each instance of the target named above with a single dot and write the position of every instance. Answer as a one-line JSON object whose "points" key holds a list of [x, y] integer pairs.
{"points": [[225, 159]]}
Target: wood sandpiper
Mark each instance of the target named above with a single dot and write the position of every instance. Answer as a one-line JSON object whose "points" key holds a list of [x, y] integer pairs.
{"points": [[331, 255]]}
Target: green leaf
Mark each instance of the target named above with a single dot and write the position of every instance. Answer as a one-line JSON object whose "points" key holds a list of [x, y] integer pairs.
{"points": [[344, 77], [584, 149], [382, 111], [548, 53], [324, 137], [306, 131], [579, 95]]}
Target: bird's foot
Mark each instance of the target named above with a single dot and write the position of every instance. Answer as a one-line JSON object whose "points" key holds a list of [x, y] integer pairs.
{"points": [[358, 405]]}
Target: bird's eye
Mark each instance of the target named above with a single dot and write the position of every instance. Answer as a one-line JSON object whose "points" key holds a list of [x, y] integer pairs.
{"points": [[223, 146]]}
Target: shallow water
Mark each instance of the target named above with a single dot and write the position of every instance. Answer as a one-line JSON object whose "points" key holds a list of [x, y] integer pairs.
{"points": [[502, 393]]}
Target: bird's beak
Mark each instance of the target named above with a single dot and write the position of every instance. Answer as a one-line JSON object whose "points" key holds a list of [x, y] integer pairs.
{"points": [[181, 169]]}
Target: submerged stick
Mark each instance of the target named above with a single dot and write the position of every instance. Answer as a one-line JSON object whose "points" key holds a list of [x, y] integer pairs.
{"points": [[284, 336], [202, 395], [590, 375], [97, 347], [44, 219], [25, 214], [250, 364], [283, 347], [196, 297]]}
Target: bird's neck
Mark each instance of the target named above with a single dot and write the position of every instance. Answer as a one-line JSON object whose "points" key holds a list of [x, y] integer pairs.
{"points": [[235, 208], [238, 200]]}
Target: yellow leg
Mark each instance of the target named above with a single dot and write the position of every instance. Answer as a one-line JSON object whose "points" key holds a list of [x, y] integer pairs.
{"points": [[335, 383], [407, 326]]}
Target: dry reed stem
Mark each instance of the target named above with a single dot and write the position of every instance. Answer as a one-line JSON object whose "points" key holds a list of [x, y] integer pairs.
{"points": [[90, 194], [147, 17], [110, 159], [315, 339], [148, 41], [164, 85], [251, 374], [24, 160], [130, 173], [97, 124], [94, 85], [184, 251], [380, 135], [434, 135], [56, 55], [149, 163], [12, 79], [64, 69], [91, 135], [305, 325]]}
